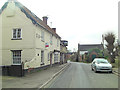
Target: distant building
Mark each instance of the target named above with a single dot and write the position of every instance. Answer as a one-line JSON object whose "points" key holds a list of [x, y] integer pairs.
{"points": [[63, 51], [69, 54], [83, 50], [28, 43]]}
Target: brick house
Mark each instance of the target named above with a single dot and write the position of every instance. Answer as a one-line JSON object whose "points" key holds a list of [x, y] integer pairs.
{"points": [[83, 51]]}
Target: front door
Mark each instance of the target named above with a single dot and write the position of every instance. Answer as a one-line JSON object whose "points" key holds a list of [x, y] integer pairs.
{"points": [[51, 59]]}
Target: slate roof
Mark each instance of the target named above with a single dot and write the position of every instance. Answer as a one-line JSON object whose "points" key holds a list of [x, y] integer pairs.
{"points": [[35, 20], [86, 47], [3, 7]]}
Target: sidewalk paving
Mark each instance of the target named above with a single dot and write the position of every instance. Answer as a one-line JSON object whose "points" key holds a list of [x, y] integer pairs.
{"points": [[116, 71], [34, 80]]}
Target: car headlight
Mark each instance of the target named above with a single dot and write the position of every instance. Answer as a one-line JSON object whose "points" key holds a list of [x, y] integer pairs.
{"points": [[98, 67], [110, 66]]}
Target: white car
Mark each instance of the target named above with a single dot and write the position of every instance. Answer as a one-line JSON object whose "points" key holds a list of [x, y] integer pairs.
{"points": [[102, 65], [68, 61]]}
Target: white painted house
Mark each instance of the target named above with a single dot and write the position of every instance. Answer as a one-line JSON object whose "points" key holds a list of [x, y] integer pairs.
{"points": [[27, 41]]}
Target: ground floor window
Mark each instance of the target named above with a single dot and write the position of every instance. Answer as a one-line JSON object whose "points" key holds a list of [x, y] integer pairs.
{"points": [[55, 57], [48, 57], [16, 56], [42, 57]]}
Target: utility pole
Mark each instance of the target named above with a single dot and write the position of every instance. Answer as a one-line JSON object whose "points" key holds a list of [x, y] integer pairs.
{"points": [[78, 53]]}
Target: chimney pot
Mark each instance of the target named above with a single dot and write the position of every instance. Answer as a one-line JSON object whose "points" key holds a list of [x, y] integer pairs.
{"points": [[45, 19], [54, 29]]}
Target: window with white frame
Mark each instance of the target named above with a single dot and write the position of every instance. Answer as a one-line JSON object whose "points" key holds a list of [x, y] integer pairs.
{"points": [[42, 57], [55, 57], [17, 33], [16, 56], [42, 35], [48, 56], [51, 37], [58, 42]]}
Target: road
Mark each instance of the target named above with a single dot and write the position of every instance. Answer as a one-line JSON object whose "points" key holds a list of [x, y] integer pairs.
{"points": [[79, 75]]}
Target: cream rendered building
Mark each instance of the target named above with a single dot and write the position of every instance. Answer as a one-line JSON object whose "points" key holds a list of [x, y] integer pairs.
{"points": [[27, 41], [63, 51]]}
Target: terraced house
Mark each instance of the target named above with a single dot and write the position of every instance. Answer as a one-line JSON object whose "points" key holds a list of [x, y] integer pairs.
{"points": [[28, 43]]}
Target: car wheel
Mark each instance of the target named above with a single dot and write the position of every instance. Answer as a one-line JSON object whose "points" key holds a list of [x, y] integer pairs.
{"points": [[110, 71], [91, 68], [95, 70]]}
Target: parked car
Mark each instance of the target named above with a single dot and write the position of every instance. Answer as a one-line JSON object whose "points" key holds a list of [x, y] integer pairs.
{"points": [[102, 65]]}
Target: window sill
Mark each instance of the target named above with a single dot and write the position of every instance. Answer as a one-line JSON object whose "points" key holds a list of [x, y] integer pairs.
{"points": [[16, 64], [16, 39], [42, 64], [42, 40]]}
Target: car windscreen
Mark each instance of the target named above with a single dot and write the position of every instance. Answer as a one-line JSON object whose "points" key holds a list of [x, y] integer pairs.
{"points": [[102, 61]]}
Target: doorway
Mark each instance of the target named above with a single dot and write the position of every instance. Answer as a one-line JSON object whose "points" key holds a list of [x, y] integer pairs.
{"points": [[50, 59]]}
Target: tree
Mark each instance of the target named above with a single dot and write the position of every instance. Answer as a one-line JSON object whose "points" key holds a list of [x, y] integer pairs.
{"points": [[116, 50], [97, 51], [74, 57], [119, 55], [110, 39], [94, 49]]}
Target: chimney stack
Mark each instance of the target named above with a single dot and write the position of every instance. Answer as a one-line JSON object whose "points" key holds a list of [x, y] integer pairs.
{"points": [[45, 19], [54, 29]]}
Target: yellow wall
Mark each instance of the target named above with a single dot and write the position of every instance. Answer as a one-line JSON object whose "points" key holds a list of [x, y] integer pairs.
{"points": [[40, 45], [17, 20], [30, 45]]}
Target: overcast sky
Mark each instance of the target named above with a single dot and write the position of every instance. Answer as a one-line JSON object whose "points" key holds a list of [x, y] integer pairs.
{"points": [[78, 21]]}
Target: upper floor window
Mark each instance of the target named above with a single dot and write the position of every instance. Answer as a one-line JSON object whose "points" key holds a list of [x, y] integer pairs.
{"points": [[55, 57], [42, 35], [51, 37], [58, 42], [48, 56], [17, 33], [42, 57]]}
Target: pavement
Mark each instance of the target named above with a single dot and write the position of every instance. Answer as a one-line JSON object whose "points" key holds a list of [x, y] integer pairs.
{"points": [[33, 80], [116, 71]]}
